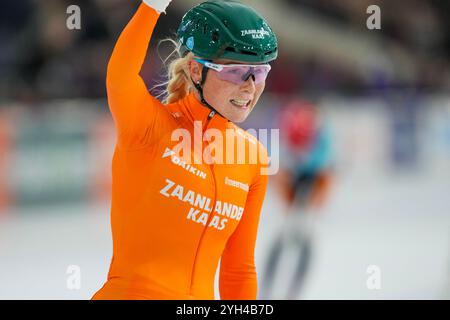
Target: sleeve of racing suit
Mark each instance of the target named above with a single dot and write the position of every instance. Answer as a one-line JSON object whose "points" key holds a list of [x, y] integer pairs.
{"points": [[133, 109], [238, 279]]}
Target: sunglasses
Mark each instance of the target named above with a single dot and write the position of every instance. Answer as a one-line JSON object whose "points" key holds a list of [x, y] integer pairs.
{"points": [[238, 73]]}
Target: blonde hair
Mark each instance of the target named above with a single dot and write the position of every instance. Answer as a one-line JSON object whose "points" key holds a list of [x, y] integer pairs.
{"points": [[178, 83]]}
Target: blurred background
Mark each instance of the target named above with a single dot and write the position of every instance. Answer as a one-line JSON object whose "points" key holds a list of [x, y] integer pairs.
{"points": [[383, 94]]}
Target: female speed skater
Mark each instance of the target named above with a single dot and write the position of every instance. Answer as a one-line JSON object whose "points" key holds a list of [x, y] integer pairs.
{"points": [[175, 214]]}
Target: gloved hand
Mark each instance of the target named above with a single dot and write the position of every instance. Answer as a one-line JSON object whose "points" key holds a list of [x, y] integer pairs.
{"points": [[159, 5]]}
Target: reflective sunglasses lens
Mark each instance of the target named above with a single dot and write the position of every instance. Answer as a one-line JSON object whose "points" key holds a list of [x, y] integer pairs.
{"points": [[260, 73], [240, 74]]}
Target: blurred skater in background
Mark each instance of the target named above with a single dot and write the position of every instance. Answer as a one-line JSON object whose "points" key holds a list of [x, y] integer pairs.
{"points": [[303, 184]]}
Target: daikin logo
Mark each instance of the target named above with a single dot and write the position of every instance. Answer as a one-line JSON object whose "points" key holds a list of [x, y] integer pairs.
{"points": [[177, 161], [256, 34]]}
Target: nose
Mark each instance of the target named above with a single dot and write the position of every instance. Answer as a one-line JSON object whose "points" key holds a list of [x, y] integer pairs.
{"points": [[249, 84]]}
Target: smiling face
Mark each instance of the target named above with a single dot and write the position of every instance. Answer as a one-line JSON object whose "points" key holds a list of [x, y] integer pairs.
{"points": [[235, 102]]}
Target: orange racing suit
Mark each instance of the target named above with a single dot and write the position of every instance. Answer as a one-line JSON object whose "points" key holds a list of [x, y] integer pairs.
{"points": [[173, 221]]}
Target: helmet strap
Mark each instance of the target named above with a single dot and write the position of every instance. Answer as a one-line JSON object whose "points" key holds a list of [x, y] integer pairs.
{"points": [[199, 86], [204, 73]]}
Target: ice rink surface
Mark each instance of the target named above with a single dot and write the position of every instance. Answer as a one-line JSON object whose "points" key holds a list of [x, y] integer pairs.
{"points": [[401, 224]]}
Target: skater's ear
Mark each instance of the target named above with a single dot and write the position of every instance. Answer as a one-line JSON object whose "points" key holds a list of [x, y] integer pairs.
{"points": [[195, 70]]}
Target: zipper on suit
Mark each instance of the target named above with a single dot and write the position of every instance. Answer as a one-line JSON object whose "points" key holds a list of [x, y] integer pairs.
{"points": [[211, 167]]}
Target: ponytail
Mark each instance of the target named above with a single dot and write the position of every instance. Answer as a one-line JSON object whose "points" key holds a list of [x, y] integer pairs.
{"points": [[178, 84]]}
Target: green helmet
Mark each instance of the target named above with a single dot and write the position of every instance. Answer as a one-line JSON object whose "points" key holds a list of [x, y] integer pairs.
{"points": [[227, 30]]}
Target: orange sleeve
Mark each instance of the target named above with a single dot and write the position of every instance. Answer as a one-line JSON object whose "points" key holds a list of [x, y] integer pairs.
{"points": [[238, 279], [133, 109]]}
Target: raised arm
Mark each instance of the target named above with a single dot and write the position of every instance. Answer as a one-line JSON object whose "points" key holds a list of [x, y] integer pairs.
{"points": [[133, 108], [238, 279]]}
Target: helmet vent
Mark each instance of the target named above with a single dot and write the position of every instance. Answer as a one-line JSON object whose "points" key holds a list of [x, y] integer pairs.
{"points": [[249, 53], [230, 49], [215, 36]]}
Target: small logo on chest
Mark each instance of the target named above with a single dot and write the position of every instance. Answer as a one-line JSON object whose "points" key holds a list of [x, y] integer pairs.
{"points": [[177, 161], [237, 184]]}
